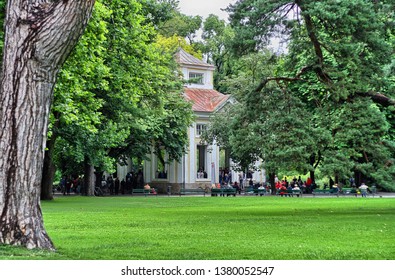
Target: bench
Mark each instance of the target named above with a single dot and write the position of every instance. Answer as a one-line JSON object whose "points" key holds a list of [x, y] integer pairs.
{"points": [[192, 191], [142, 191], [289, 193], [253, 191], [349, 191], [223, 192], [325, 192]]}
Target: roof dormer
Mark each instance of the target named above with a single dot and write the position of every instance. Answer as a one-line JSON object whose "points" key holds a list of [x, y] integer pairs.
{"points": [[199, 73]]}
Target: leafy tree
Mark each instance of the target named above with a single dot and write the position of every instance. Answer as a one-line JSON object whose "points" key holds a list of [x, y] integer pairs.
{"points": [[76, 109], [272, 124], [121, 100], [216, 45], [181, 25], [337, 60]]}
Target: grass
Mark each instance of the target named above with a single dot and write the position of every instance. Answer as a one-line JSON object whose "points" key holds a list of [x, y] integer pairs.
{"points": [[207, 228]]}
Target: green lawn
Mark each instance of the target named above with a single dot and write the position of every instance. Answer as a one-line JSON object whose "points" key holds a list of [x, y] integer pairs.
{"points": [[206, 228]]}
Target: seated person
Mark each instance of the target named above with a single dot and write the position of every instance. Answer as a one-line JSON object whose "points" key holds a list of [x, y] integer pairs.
{"points": [[237, 187], [296, 188], [334, 189]]}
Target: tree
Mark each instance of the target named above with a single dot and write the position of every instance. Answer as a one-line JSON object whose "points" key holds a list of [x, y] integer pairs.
{"points": [[182, 25], [39, 36], [116, 95], [75, 113], [216, 45], [338, 58]]}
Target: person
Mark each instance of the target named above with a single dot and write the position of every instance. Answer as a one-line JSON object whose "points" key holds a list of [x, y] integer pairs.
{"points": [[335, 189], [151, 190], [116, 185], [297, 189], [110, 184], [278, 185], [363, 189], [352, 182], [283, 190], [123, 186], [69, 184], [237, 187]]}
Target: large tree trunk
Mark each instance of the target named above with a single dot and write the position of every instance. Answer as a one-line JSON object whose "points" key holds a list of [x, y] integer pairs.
{"points": [[48, 175], [89, 179], [272, 177], [49, 170], [39, 35]]}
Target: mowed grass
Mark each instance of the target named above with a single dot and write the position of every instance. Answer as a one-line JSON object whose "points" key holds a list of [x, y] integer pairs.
{"points": [[207, 228]]}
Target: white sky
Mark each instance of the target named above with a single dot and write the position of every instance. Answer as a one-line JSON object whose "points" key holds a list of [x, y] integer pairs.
{"points": [[205, 7]]}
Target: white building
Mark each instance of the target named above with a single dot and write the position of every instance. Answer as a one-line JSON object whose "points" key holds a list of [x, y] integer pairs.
{"points": [[200, 166]]}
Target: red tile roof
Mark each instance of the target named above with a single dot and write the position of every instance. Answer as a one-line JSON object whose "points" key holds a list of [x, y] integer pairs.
{"points": [[205, 100]]}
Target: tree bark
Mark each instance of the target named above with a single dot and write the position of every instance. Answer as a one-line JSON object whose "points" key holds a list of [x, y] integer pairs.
{"points": [[272, 183], [89, 179], [39, 35]]}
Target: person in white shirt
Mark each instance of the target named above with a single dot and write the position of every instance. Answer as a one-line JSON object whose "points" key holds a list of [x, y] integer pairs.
{"points": [[364, 189]]}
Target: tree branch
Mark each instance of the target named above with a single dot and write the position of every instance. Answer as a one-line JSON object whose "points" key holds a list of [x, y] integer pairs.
{"points": [[287, 79], [378, 98]]}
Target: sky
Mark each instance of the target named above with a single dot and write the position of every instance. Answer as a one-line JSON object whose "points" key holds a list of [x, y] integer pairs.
{"points": [[205, 7]]}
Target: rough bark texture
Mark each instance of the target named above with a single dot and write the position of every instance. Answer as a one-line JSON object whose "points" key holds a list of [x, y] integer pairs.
{"points": [[39, 35], [89, 179]]}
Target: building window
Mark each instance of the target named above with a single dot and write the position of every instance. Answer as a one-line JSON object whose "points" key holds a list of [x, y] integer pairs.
{"points": [[201, 154], [200, 128], [196, 78]]}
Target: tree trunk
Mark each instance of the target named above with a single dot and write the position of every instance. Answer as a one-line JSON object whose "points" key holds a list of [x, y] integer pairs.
{"points": [[312, 176], [39, 35], [89, 179], [272, 177], [49, 170]]}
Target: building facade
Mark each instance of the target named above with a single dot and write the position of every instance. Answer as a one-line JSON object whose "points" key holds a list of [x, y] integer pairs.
{"points": [[203, 162]]}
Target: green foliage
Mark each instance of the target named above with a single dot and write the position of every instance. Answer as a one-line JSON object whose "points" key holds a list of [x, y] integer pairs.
{"points": [[217, 37], [338, 65], [181, 25], [116, 95]]}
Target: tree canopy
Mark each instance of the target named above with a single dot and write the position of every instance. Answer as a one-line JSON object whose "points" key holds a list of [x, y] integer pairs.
{"points": [[328, 100], [118, 93]]}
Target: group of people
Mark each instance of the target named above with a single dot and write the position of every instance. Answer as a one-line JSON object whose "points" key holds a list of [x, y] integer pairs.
{"points": [[363, 189], [225, 176], [296, 184], [68, 185]]}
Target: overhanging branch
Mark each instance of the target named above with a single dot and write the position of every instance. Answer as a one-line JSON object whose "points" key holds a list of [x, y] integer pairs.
{"points": [[378, 98]]}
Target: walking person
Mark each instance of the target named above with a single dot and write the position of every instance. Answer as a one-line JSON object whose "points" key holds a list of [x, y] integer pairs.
{"points": [[363, 189]]}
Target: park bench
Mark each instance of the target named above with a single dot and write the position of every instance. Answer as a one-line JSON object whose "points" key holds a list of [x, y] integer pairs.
{"points": [[372, 191], [192, 191], [349, 191], [252, 191], [290, 193], [142, 191], [223, 192], [325, 192]]}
